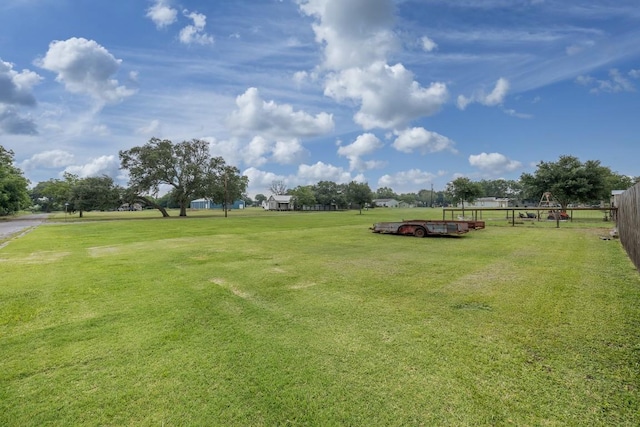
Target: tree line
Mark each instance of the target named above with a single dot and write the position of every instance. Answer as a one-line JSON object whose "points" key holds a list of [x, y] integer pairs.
{"points": [[568, 179], [190, 172], [186, 168], [324, 193]]}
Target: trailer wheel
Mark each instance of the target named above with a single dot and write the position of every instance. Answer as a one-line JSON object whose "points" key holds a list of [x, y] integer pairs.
{"points": [[419, 232]]}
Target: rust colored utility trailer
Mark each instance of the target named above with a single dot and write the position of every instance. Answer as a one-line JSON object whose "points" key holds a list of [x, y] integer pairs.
{"points": [[473, 224], [422, 228]]}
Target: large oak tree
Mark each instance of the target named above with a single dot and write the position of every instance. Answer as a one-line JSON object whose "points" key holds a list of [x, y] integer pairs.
{"points": [[185, 167], [568, 180]]}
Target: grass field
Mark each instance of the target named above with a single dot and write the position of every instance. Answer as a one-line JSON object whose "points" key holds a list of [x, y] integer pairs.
{"points": [[310, 319]]}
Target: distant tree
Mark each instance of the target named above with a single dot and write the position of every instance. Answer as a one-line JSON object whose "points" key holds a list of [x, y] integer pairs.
{"points": [[441, 198], [568, 180], [183, 166], [328, 192], [225, 184], [94, 193], [463, 190], [70, 181], [248, 201], [168, 201], [408, 198], [278, 188], [514, 189], [39, 201], [52, 195], [260, 198], [615, 181], [501, 188], [385, 193], [359, 193], [303, 196], [14, 194], [426, 197]]}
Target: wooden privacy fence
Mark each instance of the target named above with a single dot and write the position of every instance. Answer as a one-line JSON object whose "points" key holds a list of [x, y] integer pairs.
{"points": [[628, 222]]}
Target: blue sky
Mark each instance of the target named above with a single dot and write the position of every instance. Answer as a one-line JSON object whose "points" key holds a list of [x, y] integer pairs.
{"points": [[397, 93]]}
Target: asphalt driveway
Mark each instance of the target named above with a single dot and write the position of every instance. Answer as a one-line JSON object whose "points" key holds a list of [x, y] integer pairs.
{"points": [[15, 225]]}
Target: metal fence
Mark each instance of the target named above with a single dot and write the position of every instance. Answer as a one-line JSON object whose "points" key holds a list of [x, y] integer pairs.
{"points": [[628, 222]]}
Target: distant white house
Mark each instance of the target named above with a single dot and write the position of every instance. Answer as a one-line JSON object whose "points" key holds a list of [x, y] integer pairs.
{"points": [[278, 203], [386, 203], [488, 202]]}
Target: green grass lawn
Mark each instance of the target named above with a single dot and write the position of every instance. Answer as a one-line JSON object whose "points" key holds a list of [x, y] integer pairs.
{"points": [[267, 318]]}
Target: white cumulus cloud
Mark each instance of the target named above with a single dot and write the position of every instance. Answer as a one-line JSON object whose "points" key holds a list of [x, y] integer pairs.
{"points": [[51, 159], [354, 33], [389, 95], [364, 145], [104, 165], [288, 152], [85, 67], [406, 180], [256, 152], [256, 116], [261, 180], [427, 44], [421, 140], [162, 14], [495, 97], [15, 87], [194, 33], [357, 37], [232, 150], [495, 163], [320, 171]]}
